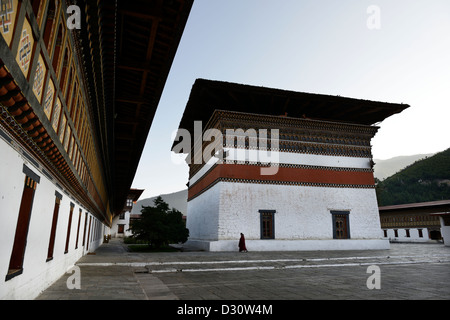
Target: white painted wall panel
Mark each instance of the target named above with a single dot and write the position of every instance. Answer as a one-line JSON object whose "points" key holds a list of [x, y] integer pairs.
{"points": [[37, 273], [277, 157], [301, 212], [203, 214]]}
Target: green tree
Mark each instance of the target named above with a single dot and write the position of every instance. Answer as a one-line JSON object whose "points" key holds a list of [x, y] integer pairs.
{"points": [[160, 225], [424, 180]]}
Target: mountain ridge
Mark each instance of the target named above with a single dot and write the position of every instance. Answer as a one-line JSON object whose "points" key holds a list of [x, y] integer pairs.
{"points": [[385, 168], [422, 181]]}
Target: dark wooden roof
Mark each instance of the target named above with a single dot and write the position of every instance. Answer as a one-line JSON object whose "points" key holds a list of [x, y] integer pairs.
{"points": [[132, 44], [207, 96], [440, 205], [135, 194]]}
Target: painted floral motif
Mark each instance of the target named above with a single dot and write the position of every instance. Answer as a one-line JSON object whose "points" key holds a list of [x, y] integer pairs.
{"points": [[48, 101]]}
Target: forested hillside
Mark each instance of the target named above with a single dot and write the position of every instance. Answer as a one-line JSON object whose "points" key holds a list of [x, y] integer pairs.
{"points": [[424, 180]]}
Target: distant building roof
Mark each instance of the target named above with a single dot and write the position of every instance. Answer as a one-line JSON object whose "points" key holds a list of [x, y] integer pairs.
{"points": [[135, 194], [444, 204]]}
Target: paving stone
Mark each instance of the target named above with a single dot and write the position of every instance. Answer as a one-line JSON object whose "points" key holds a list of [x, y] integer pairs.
{"points": [[407, 271]]}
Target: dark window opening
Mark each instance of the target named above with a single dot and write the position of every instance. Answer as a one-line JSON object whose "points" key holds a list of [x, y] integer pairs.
{"points": [[23, 222], [267, 224], [68, 228], [78, 230], [341, 226], [51, 243]]}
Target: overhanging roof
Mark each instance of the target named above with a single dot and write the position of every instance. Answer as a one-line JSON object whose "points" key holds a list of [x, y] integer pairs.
{"points": [[132, 44], [440, 204], [134, 194], [208, 95]]}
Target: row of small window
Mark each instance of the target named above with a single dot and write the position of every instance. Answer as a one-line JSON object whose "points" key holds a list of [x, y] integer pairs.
{"points": [[407, 233], [25, 210], [340, 222]]}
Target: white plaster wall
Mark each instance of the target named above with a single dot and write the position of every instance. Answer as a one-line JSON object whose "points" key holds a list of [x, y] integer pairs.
{"points": [[239, 154], [203, 214], [218, 216], [413, 232], [445, 232], [301, 212], [277, 157], [37, 274]]}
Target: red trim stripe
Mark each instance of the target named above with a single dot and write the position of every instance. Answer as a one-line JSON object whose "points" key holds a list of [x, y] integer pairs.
{"points": [[284, 175]]}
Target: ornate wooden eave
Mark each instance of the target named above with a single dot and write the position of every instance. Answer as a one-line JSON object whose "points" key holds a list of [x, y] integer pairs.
{"points": [[137, 41], [86, 135], [208, 95]]}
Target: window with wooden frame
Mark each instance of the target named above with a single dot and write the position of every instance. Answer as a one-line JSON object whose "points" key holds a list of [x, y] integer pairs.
{"points": [[267, 220], [85, 227], [58, 47], [64, 68], [51, 243], [75, 108], [72, 205], [67, 91], [89, 233], [23, 222], [49, 23], [76, 115], [341, 224], [38, 7], [78, 230]]}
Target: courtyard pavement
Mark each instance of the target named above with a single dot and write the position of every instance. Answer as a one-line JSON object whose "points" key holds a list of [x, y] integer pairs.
{"points": [[405, 272]]}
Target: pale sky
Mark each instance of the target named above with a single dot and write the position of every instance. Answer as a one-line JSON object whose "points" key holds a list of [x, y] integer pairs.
{"points": [[315, 46]]}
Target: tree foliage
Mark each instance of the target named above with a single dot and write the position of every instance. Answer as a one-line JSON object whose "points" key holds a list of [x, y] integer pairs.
{"points": [[425, 180], [160, 225]]}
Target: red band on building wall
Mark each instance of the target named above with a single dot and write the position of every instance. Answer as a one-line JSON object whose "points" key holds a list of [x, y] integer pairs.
{"points": [[284, 175]]}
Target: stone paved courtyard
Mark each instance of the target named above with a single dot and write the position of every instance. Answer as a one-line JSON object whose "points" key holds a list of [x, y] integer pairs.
{"points": [[405, 272]]}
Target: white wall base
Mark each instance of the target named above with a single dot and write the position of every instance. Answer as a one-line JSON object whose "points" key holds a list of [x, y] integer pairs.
{"points": [[291, 245]]}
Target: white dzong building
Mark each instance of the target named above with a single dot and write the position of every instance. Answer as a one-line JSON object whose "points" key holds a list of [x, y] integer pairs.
{"points": [[289, 170], [76, 104]]}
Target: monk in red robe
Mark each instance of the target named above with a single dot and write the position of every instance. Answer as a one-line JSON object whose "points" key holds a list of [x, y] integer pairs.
{"points": [[242, 247]]}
